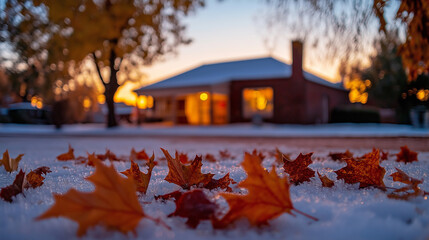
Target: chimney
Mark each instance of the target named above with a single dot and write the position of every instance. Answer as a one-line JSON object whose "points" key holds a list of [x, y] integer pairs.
{"points": [[297, 51]]}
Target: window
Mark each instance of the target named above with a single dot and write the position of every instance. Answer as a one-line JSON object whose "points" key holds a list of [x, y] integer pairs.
{"points": [[258, 101]]}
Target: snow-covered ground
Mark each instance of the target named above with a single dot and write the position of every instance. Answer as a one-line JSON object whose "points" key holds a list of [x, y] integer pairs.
{"points": [[230, 130], [345, 211]]}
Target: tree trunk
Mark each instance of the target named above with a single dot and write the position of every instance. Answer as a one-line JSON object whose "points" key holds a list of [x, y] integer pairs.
{"points": [[109, 94]]}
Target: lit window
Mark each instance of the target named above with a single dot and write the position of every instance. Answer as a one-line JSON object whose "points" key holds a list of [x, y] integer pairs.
{"points": [[258, 101]]}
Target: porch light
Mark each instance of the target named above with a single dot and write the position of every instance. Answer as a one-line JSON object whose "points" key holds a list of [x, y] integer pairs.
{"points": [[204, 96]]}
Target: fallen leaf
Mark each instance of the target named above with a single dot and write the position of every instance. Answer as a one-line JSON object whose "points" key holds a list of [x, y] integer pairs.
{"points": [[35, 178], [366, 171], [92, 158], [384, 155], [183, 158], [412, 189], [14, 189], [195, 206], [175, 195], [259, 154], [108, 155], [10, 164], [141, 155], [338, 156], [141, 179], [406, 155], [113, 203], [222, 183], [209, 157], [185, 175], [268, 196], [281, 156], [298, 170], [67, 156], [225, 154], [326, 182]]}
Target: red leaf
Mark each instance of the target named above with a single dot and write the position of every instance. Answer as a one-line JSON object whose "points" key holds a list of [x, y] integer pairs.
{"points": [[14, 189]]}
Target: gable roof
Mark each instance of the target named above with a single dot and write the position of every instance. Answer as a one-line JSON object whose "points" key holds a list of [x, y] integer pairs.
{"points": [[216, 73]]}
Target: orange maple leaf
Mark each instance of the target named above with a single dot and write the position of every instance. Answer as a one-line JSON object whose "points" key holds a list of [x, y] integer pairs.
{"points": [[209, 157], [142, 155], [10, 164], [410, 191], [113, 203], [222, 183], [67, 156], [268, 196], [338, 156], [298, 170], [141, 179], [406, 155], [366, 170], [15, 188], [35, 178], [326, 182], [108, 155], [185, 175]]}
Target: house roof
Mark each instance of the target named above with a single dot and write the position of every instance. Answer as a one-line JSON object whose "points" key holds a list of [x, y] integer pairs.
{"points": [[216, 73]]}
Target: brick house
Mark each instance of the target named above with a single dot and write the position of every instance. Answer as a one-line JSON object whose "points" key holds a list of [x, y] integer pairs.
{"points": [[236, 91]]}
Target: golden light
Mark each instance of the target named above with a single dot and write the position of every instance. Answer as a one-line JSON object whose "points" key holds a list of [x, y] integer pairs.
{"points": [[204, 96], [39, 104], [87, 103], [261, 102], [34, 101], [142, 102], [101, 99], [423, 95], [149, 102]]}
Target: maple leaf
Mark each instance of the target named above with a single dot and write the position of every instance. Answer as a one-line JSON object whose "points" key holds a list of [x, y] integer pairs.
{"points": [[195, 206], [108, 155], [183, 158], [175, 195], [222, 183], [67, 156], [10, 164], [268, 196], [406, 155], [410, 191], [141, 179], [113, 203], [340, 155], [366, 170], [209, 157], [298, 170], [14, 189], [280, 157], [384, 155], [35, 178], [225, 154], [185, 175], [259, 154], [138, 155], [326, 182]]}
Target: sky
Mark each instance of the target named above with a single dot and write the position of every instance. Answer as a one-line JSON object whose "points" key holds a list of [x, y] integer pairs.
{"points": [[224, 31]]}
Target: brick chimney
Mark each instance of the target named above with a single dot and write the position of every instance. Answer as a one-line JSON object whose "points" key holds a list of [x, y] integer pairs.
{"points": [[297, 57]]}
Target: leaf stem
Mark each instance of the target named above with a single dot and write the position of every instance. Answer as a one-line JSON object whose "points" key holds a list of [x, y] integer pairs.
{"points": [[305, 214]]}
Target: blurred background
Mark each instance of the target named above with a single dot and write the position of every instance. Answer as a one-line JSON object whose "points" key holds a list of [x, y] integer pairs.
{"points": [[214, 62]]}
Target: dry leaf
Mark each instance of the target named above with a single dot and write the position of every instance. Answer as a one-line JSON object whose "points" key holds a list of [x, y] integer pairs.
{"points": [[281, 156], [406, 155], [339, 156], [209, 157], [113, 203], [225, 154], [183, 158], [384, 155], [222, 183], [141, 179], [14, 189], [35, 178], [195, 206], [366, 171], [10, 164], [67, 156], [298, 170], [259, 154], [185, 175], [268, 196], [410, 191], [326, 182], [108, 155], [138, 155], [175, 195]]}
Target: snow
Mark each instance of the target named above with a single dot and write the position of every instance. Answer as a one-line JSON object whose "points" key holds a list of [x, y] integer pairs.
{"points": [[345, 130], [345, 211]]}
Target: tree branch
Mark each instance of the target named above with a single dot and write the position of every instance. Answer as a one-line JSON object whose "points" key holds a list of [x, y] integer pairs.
{"points": [[98, 68]]}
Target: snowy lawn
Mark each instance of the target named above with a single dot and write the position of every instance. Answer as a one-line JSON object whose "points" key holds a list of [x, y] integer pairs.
{"points": [[344, 211]]}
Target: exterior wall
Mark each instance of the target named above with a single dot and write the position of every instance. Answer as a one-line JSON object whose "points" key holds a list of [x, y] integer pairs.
{"points": [[289, 99], [317, 95]]}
